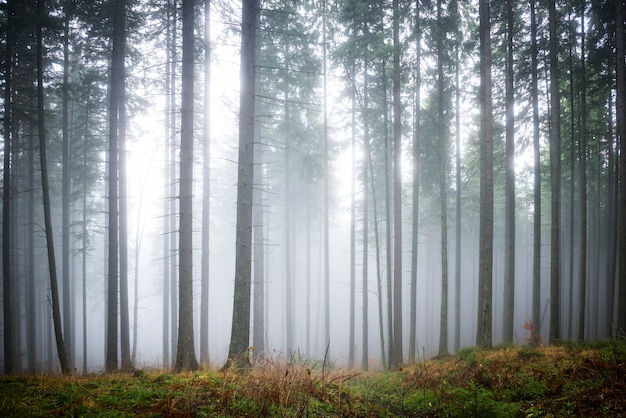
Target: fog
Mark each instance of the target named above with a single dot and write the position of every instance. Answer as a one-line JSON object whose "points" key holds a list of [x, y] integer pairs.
{"points": [[293, 224]]}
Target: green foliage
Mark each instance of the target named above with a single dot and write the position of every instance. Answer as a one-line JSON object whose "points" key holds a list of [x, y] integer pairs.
{"points": [[572, 380]]}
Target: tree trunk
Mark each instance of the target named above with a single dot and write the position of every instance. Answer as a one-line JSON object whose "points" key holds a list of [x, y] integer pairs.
{"points": [[126, 362], [240, 333], [457, 253], [485, 274], [56, 312], [326, 191], [534, 91], [443, 185], [582, 305], [367, 152], [288, 250], [65, 194], [7, 310], [620, 71], [415, 189], [397, 194], [351, 339], [185, 353], [173, 210], [258, 337], [206, 191], [509, 223], [555, 182]]}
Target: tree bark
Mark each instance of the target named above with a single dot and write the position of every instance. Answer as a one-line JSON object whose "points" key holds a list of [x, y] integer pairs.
{"points": [[206, 191], [443, 185], [534, 91], [509, 225], [185, 353], [555, 182], [240, 333], [397, 194], [56, 312], [7, 309], [620, 71], [485, 274]]}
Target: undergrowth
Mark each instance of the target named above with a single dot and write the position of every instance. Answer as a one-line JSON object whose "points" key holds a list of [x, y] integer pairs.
{"points": [[529, 381]]}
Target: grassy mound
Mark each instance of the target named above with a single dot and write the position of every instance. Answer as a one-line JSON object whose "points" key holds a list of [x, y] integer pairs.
{"points": [[575, 380]]}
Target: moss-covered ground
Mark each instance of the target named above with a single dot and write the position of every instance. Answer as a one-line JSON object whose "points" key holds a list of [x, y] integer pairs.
{"points": [[561, 380]]}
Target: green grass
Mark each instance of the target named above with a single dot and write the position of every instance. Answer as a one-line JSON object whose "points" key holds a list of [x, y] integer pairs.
{"points": [[555, 381]]}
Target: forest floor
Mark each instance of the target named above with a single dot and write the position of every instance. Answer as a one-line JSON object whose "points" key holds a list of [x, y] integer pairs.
{"points": [[562, 380]]}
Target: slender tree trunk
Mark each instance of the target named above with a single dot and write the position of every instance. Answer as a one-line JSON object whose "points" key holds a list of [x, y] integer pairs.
{"points": [[258, 213], [174, 209], [351, 338], [367, 152], [289, 317], [56, 312], [65, 194], [116, 87], [555, 182], [457, 253], [240, 333], [443, 184], [509, 226], [415, 189], [7, 309], [397, 193], [572, 182], [326, 191], [582, 305], [166, 197], [485, 275], [388, 220], [206, 191], [185, 353], [536, 289], [126, 361], [620, 71]]}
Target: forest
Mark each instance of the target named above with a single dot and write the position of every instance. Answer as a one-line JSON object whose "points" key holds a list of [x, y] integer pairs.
{"points": [[197, 183]]}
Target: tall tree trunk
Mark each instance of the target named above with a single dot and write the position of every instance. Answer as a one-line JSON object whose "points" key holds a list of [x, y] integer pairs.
{"points": [[65, 193], [620, 71], [7, 309], [258, 336], [443, 185], [572, 182], [509, 223], [611, 231], [289, 316], [582, 305], [457, 252], [167, 197], [415, 188], [115, 92], [555, 182], [56, 312], [485, 274], [126, 361], [240, 333], [397, 193], [351, 338], [174, 209], [185, 353], [367, 152], [388, 221], [415, 208], [534, 91], [326, 190], [206, 191]]}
